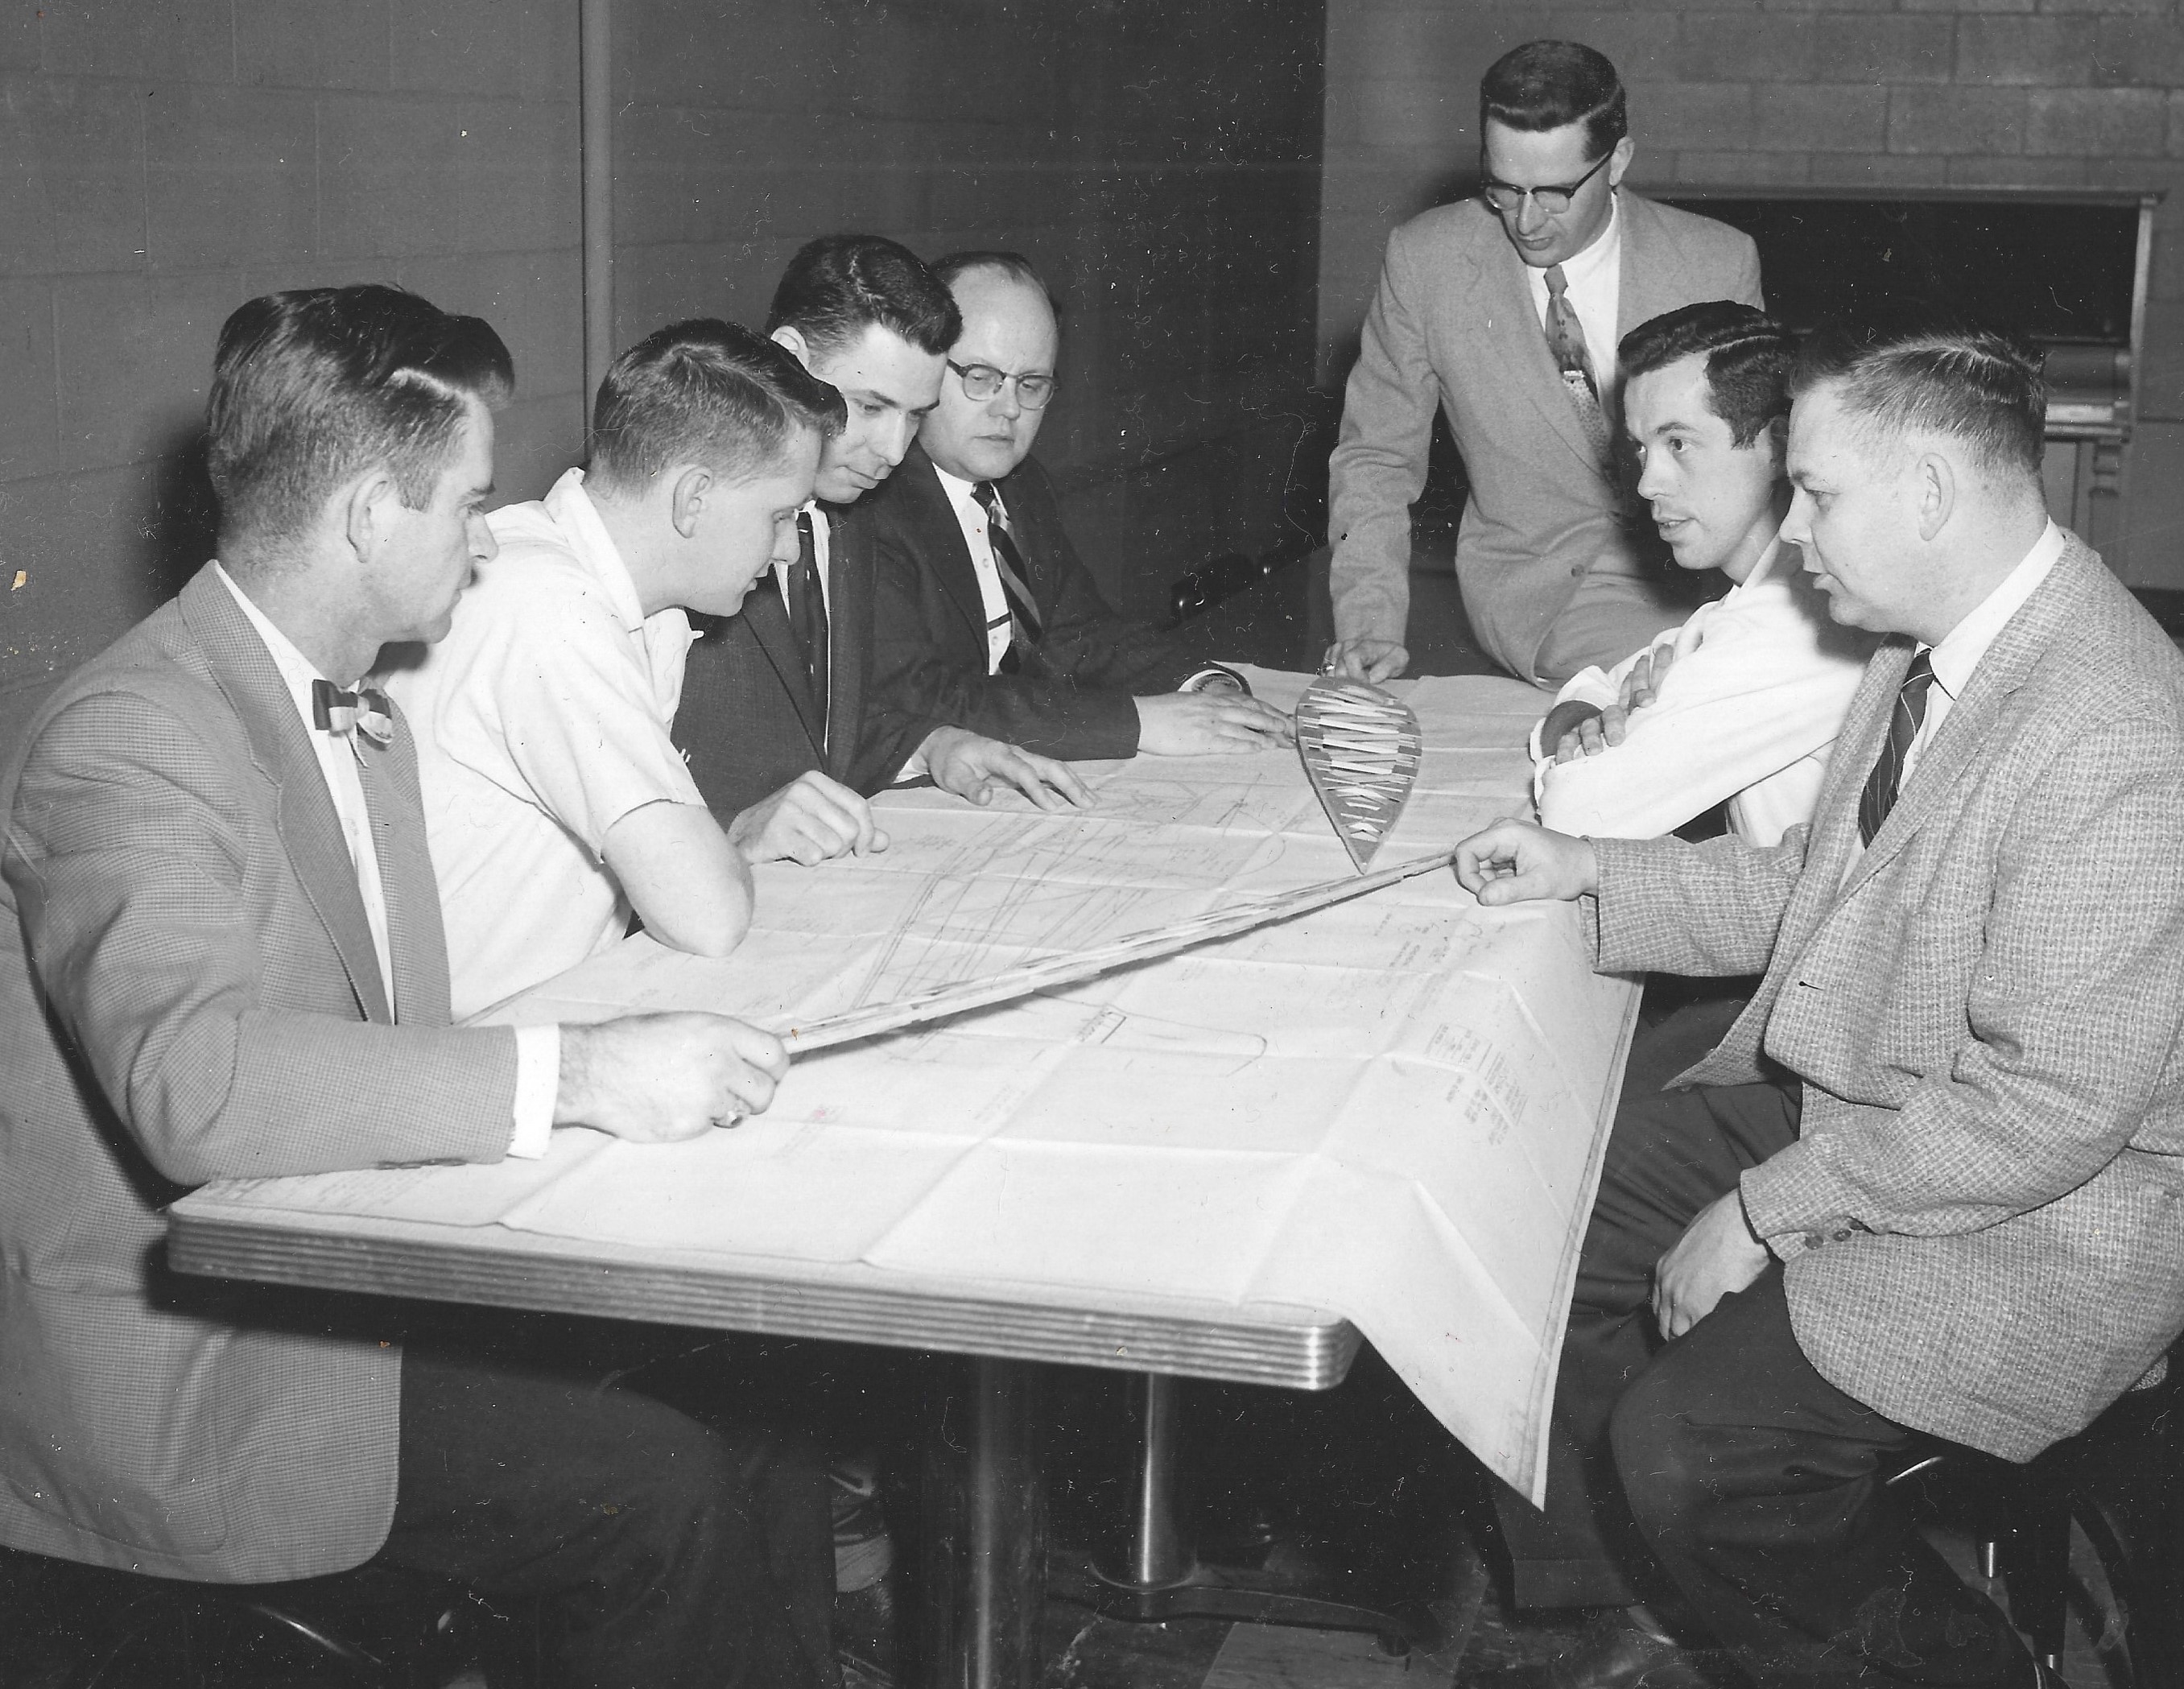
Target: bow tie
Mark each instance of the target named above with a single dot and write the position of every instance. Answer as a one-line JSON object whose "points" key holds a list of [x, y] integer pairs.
{"points": [[365, 710]]}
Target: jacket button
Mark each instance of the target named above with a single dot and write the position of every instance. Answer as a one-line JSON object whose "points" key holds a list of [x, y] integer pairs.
{"points": [[1814, 1240], [1841, 1236], [1576, 569]]}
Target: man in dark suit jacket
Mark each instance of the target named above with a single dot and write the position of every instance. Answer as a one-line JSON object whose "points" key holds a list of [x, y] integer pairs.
{"points": [[220, 956], [777, 714], [986, 618], [1929, 1181], [1559, 569]]}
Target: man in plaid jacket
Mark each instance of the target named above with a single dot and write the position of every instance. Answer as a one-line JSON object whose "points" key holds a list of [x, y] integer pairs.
{"points": [[1933, 1179]]}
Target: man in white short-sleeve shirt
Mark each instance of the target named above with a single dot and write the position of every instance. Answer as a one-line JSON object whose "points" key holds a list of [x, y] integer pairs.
{"points": [[1742, 702], [555, 802]]}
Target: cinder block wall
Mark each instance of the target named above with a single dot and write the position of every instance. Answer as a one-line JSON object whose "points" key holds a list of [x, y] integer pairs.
{"points": [[1158, 163], [1835, 93], [163, 160]]}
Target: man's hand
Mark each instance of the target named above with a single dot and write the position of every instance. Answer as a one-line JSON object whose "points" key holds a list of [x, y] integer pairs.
{"points": [[1368, 660], [1208, 723], [809, 820], [1594, 734], [1646, 677], [974, 767], [655, 1078], [1716, 1256], [1513, 862]]}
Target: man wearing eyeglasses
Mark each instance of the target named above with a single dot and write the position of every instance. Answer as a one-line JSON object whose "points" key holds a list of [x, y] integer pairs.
{"points": [[985, 617], [1506, 310]]}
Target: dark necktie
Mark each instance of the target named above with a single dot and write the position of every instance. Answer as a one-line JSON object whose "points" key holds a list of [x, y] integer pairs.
{"points": [[1025, 627], [1566, 340], [1881, 786], [807, 612], [365, 710]]}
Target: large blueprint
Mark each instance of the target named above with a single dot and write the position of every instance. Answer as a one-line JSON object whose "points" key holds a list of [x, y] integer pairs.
{"points": [[1392, 1108]]}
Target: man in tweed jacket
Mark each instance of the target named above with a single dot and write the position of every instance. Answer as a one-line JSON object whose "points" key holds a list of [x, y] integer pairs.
{"points": [[220, 955], [1933, 1180]]}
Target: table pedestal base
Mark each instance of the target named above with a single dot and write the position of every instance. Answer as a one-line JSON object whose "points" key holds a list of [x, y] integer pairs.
{"points": [[983, 1553], [1163, 1579]]}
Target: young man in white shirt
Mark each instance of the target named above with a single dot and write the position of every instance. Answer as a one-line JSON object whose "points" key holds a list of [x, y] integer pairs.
{"points": [[1741, 702], [554, 800]]}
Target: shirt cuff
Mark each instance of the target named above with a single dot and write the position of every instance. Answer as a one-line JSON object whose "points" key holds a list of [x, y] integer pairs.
{"points": [[537, 1081]]}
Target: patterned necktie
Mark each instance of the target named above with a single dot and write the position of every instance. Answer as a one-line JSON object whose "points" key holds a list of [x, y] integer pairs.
{"points": [[807, 612], [365, 710], [1881, 786], [1566, 340], [1025, 628]]}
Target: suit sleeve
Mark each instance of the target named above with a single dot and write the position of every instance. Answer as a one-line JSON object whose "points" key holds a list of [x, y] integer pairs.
{"points": [[1086, 642], [1711, 910], [1378, 465], [2071, 1015], [129, 872]]}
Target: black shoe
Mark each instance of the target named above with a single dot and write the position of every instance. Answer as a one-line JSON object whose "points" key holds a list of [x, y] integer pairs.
{"points": [[2045, 1677], [1610, 1653]]}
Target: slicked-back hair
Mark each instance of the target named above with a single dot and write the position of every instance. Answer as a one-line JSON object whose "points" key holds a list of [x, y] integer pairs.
{"points": [[312, 386], [838, 285], [1013, 264], [1747, 353], [1547, 84], [709, 393], [1978, 386]]}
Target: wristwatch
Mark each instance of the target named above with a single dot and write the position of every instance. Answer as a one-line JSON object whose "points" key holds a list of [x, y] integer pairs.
{"points": [[1216, 678]]}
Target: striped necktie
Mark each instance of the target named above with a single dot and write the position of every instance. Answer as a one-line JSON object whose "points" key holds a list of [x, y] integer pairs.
{"points": [[1566, 340], [1025, 627], [1881, 785]]}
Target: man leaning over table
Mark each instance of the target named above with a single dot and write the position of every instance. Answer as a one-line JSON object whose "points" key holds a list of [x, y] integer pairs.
{"points": [[1505, 312], [778, 716], [1742, 701], [984, 615], [222, 958], [1929, 1183]]}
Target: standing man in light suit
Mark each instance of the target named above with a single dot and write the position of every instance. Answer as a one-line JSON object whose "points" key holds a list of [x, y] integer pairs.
{"points": [[1506, 312], [1932, 1179], [220, 957]]}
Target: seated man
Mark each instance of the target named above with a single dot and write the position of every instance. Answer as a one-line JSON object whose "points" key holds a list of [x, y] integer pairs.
{"points": [[1928, 1183], [220, 957], [1742, 701], [777, 716], [986, 618]]}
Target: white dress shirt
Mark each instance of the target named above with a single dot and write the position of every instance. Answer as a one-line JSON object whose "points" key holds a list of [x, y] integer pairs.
{"points": [[537, 1048], [1595, 280], [542, 719], [1957, 655], [823, 552], [1747, 712], [970, 517]]}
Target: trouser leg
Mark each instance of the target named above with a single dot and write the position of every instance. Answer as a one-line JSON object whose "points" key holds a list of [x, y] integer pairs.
{"points": [[1671, 1154], [665, 1553], [1757, 1484]]}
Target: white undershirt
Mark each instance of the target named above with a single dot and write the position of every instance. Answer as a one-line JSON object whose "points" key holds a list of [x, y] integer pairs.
{"points": [[821, 552], [1595, 280], [538, 1048]]}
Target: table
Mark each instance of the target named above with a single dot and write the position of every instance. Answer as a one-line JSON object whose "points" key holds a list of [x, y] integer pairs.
{"points": [[1127, 1175]]}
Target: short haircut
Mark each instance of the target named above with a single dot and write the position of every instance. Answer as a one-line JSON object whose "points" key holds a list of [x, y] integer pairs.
{"points": [[1747, 353], [1547, 84], [1013, 264], [838, 285], [704, 391], [1978, 386], [311, 386]]}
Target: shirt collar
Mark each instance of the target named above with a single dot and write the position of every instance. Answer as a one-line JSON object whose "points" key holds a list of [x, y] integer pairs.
{"points": [[298, 671], [956, 488], [1764, 570], [1964, 644], [575, 514], [1605, 252]]}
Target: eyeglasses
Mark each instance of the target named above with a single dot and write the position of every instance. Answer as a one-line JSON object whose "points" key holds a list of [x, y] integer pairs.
{"points": [[1505, 197], [981, 382]]}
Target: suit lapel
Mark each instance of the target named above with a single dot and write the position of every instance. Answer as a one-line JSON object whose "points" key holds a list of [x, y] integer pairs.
{"points": [[942, 547], [1649, 278], [310, 830], [1503, 294], [767, 618], [848, 632]]}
